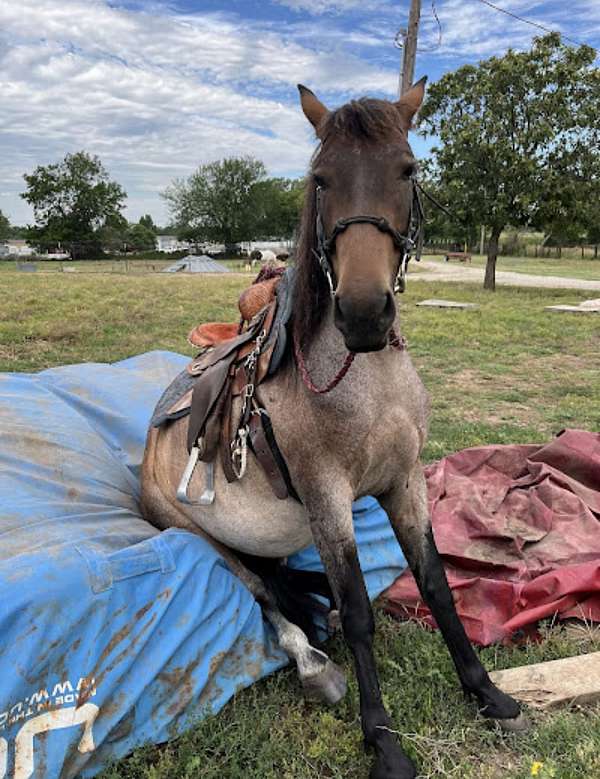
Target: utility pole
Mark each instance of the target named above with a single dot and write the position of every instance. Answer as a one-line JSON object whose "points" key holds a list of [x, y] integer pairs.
{"points": [[409, 47]]}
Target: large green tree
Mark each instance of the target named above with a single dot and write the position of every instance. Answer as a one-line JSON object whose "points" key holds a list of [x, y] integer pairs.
{"points": [[72, 201], [278, 204], [218, 201], [519, 138]]}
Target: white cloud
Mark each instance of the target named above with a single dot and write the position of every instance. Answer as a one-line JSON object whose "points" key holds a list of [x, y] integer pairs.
{"points": [[319, 7], [154, 93]]}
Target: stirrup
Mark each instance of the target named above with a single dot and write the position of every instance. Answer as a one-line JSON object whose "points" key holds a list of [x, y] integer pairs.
{"points": [[208, 496]]}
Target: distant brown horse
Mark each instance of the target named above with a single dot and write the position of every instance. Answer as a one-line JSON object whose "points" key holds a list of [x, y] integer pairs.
{"points": [[364, 437]]}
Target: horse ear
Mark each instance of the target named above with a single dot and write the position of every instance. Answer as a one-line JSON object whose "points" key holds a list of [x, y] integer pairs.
{"points": [[313, 108], [410, 102]]}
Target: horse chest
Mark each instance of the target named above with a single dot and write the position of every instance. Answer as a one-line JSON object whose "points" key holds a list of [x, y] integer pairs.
{"points": [[364, 431]]}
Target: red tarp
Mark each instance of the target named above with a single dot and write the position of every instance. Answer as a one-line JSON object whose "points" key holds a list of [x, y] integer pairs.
{"points": [[518, 528]]}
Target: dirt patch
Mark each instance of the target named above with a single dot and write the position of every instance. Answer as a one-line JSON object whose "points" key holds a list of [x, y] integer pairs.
{"points": [[468, 378]]}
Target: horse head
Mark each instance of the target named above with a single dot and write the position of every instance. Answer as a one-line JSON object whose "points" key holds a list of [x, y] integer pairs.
{"points": [[359, 201]]}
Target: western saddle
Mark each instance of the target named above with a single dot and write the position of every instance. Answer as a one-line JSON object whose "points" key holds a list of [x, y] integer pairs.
{"points": [[233, 361]]}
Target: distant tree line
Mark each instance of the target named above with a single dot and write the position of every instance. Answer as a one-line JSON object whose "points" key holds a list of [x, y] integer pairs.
{"points": [[517, 146], [78, 208]]}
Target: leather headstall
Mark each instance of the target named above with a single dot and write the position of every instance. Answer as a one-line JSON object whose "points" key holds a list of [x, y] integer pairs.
{"points": [[412, 241]]}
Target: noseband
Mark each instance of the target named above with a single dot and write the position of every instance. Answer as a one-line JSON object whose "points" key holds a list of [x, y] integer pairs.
{"points": [[412, 241]]}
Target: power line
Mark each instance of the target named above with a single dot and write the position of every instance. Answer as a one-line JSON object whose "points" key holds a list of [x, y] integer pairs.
{"points": [[399, 38], [437, 18], [535, 24]]}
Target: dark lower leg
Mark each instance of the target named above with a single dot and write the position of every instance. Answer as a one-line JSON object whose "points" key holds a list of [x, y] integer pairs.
{"points": [[358, 626], [431, 579]]}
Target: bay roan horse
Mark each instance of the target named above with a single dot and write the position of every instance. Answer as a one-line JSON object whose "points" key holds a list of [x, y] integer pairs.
{"points": [[362, 438]]}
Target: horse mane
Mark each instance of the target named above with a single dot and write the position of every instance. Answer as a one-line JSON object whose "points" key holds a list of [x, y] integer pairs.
{"points": [[311, 290], [367, 119]]}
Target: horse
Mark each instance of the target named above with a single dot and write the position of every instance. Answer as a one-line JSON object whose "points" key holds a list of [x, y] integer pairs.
{"points": [[360, 433]]}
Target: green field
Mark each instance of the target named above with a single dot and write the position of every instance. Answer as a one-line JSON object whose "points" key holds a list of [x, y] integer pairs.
{"points": [[507, 372]]}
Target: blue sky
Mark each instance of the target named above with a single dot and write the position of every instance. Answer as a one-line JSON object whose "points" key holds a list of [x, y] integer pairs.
{"points": [[157, 88]]}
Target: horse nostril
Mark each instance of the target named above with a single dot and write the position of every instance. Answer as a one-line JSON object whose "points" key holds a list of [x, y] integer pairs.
{"points": [[374, 308], [389, 309]]}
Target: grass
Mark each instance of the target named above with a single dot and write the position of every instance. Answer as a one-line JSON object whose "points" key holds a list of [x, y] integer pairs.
{"points": [[108, 265], [575, 268], [507, 372]]}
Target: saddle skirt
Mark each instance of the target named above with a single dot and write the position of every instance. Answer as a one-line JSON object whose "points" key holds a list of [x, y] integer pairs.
{"points": [[233, 361]]}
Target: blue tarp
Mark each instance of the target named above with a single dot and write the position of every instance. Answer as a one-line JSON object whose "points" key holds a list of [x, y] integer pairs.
{"points": [[113, 634]]}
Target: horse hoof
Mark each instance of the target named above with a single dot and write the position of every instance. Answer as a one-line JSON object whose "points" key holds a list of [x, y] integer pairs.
{"points": [[328, 685], [515, 725], [401, 767]]}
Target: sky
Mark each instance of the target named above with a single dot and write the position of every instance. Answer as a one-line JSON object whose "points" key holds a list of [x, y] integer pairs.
{"points": [[156, 89]]}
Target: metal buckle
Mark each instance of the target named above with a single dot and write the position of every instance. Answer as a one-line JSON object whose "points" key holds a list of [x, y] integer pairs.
{"points": [[239, 452], [330, 280], [400, 283]]}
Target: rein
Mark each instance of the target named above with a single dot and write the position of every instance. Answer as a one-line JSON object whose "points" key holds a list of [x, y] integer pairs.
{"points": [[397, 342]]}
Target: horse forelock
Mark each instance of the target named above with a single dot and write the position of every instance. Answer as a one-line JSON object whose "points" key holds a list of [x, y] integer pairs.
{"points": [[367, 119]]}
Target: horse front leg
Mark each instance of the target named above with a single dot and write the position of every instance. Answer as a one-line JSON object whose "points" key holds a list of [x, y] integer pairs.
{"points": [[333, 532], [406, 506]]}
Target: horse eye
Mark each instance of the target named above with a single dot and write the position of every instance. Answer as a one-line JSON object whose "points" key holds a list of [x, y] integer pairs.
{"points": [[409, 172], [320, 182]]}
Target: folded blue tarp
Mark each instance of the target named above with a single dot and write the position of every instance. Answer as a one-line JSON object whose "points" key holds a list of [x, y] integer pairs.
{"points": [[113, 634]]}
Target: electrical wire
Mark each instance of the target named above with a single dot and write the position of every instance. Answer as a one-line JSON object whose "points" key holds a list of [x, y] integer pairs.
{"points": [[399, 37], [536, 24]]}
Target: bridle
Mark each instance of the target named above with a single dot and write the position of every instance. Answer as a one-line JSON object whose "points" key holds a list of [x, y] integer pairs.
{"points": [[412, 241]]}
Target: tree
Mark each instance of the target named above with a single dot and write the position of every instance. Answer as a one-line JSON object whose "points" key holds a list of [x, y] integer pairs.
{"points": [[218, 201], [4, 227], [139, 238], [112, 236], [148, 222], [516, 132], [460, 228], [278, 204], [72, 201]]}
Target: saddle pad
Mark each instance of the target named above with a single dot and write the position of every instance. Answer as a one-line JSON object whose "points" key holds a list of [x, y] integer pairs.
{"points": [[114, 634]]}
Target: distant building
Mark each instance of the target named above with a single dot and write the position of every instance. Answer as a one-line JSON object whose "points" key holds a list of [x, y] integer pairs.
{"points": [[16, 247], [170, 243]]}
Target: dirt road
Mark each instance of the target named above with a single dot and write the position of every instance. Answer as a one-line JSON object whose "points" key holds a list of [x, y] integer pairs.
{"points": [[444, 271]]}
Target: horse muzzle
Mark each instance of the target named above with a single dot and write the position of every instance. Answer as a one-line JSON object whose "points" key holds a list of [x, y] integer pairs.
{"points": [[365, 323]]}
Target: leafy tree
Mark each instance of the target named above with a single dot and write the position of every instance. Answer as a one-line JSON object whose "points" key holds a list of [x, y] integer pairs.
{"points": [[278, 206], [458, 229], [5, 229], [148, 222], [139, 237], [112, 236], [519, 137], [218, 201], [72, 201]]}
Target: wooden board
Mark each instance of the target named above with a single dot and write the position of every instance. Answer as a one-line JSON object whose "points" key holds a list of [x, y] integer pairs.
{"points": [[435, 303], [555, 683]]}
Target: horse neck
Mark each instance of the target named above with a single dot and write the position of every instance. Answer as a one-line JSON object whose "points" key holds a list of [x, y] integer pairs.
{"points": [[325, 355]]}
